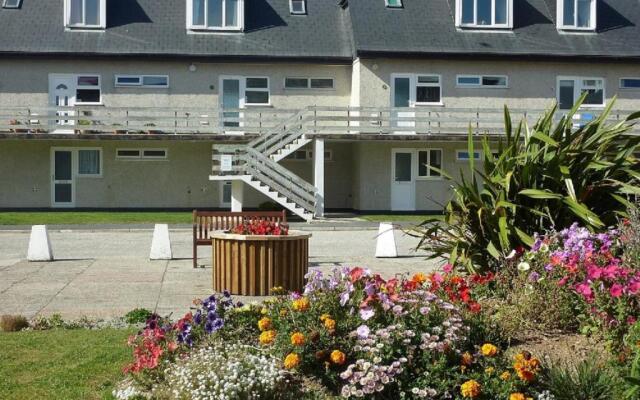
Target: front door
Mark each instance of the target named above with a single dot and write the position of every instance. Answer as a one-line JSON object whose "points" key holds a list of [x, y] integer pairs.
{"points": [[403, 184], [62, 185], [62, 94], [402, 96], [232, 98]]}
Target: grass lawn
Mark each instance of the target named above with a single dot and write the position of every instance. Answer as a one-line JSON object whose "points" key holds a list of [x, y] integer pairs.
{"points": [[90, 217], [394, 218], [62, 364]]}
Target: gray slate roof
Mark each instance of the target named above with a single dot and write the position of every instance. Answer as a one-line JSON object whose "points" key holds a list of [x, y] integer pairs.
{"points": [[158, 27], [427, 27]]}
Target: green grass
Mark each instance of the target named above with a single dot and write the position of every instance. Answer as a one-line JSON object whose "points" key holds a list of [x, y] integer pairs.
{"points": [[62, 364], [394, 218], [90, 217]]}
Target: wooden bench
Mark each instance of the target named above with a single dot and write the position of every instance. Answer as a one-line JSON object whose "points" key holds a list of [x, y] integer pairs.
{"points": [[206, 222]]}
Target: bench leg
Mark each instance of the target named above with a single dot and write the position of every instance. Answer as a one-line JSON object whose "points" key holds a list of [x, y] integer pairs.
{"points": [[195, 255]]}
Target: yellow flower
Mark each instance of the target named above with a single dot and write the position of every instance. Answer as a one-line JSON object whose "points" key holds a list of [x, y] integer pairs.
{"points": [[470, 389], [516, 396], [277, 290], [330, 324], [337, 357], [283, 312], [292, 360], [467, 359], [526, 366], [489, 370], [264, 311], [301, 304], [489, 350], [297, 339], [505, 376], [264, 324], [324, 317], [267, 337]]}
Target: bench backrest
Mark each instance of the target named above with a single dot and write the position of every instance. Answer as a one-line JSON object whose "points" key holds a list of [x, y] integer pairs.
{"points": [[208, 221]]}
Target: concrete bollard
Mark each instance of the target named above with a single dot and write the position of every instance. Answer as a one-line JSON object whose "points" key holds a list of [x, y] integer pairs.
{"points": [[39, 244], [386, 244], [161, 243]]}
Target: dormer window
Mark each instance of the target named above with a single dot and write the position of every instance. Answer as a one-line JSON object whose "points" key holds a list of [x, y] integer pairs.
{"points": [[484, 13], [11, 4], [87, 14], [226, 15], [577, 15], [298, 7], [393, 3]]}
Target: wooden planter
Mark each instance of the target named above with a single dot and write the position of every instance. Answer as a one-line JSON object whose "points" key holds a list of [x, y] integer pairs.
{"points": [[252, 265]]}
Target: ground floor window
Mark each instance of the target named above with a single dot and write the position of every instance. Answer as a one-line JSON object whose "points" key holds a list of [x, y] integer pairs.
{"points": [[571, 88], [141, 154], [463, 155], [89, 162], [427, 160]]}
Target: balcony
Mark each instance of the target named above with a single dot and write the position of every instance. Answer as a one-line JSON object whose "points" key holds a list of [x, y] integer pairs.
{"points": [[333, 122]]}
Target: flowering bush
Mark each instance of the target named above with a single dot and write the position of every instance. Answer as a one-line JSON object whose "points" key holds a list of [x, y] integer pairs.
{"points": [[261, 227]]}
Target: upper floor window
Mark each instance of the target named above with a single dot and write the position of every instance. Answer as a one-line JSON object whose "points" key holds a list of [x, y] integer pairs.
{"points": [[577, 14], [484, 13], [89, 14], [150, 81], [215, 14], [571, 88], [393, 3], [630, 83], [298, 6], [477, 81], [11, 4]]}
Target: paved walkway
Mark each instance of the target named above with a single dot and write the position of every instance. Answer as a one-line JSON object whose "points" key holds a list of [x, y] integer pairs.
{"points": [[106, 273]]}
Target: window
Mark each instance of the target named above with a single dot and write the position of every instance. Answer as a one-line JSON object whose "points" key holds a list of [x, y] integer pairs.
{"points": [[11, 4], [89, 162], [571, 88], [428, 159], [393, 3], [88, 89], [428, 89], [463, 155], [495, 81], [484, 13], [151, 81], [141, 154], [576, 14], [85, 13], [298, 6], [304, 155], [630, 83], [215, 14], [256, 91], [309, 83]]}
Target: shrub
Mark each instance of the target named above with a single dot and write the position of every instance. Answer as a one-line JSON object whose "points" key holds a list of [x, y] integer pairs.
{"points": [[589, 380], [630, 237], [631, 369], [137, 316], [13, 323], [548, 176]]}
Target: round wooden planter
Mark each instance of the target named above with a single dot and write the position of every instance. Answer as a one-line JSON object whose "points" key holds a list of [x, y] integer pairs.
{"points": [[251, 265]]}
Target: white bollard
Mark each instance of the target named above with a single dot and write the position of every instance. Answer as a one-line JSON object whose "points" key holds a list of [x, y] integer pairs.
{"points": [[39, 244], [161, 244], [386, 245]]}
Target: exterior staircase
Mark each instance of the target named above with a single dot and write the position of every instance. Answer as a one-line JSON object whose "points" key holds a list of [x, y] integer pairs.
{"points": [[257, 164]]}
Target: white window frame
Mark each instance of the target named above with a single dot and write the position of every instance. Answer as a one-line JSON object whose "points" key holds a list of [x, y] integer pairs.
{"points": [[308, 79], [389, 5], [622, 87], [244, 89], [577, 90], [102, 24], [141, 156], [478, 158], [76, 150], [493, 25], [141, 81], [429, 177], [5, 4], [480, 80], [192, 27], [77, 87], [416, 84], [560, 17], [304, 7]]}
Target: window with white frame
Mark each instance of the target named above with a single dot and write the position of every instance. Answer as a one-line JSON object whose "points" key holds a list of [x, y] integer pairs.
{"points": [[490, 81], [463, 155], [428, 89], [630, 83], [308, 83], [88, 14], [571, 88], [141, 154], [298, 6], [88, 90], [484, 13], [90, 162], [11, 3], [149, 81], [393, 3], [427, 160], [576, 14], [215, 14], [256, 91]]}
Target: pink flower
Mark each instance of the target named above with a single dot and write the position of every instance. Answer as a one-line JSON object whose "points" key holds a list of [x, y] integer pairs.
{"points": [[616, 290], [594, 272], [447, 268], [585, 290], [634, 286]]}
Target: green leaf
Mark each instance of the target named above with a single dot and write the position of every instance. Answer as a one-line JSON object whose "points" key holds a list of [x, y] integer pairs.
{"points": [[582, 212], [545, 138], [526, 239], [540, 194], [491, 248]]}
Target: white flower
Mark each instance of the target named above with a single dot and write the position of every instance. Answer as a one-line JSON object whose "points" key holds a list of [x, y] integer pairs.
{"points": [[524, 266]]}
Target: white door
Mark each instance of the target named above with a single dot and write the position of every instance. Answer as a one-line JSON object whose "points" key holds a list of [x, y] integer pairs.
{"points": [[403, 183], [225, 194], [403, 96], [232, 98], [62, 184], [62, 94]]}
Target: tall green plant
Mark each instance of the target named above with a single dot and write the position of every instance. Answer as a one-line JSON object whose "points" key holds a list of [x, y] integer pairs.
{"points": [[547, 176]]}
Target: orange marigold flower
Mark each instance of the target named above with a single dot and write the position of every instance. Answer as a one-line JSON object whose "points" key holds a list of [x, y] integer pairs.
{"points": [[470, 389], [505, 376], [337, 357], [297, 339], [526, 366], [267, 337], [324, 317], [301, 304], [330, 324], [292, 360], [419, 278], [517, 396], [467, 358], [264, 324], [489, 350]]}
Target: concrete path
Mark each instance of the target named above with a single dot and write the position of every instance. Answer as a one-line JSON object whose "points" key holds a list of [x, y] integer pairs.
{"points": [[104, 274]]}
